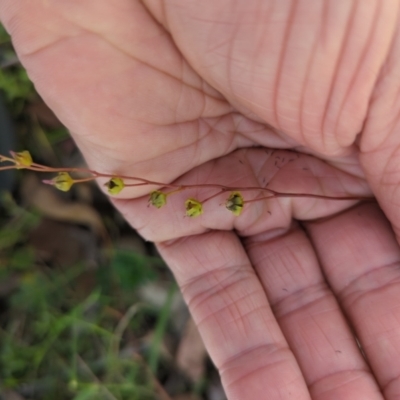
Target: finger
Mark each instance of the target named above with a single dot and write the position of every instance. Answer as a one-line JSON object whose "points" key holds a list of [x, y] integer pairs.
{"points": [[282, 171], [310, 317], [231, 310], [306, 68], [361, 259]]}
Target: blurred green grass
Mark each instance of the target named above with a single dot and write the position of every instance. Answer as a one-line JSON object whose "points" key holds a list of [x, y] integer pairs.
{"points": [[72, 331], [58, 342]]}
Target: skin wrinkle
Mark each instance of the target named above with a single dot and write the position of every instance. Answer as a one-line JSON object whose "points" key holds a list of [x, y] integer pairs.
{"points": [[255, 243], [360, 63], [253, 103], [316, 348], [216, 46], [221, 286], [12, 25], [207, 133], [389, 153], [257, 172], [211, 22], [229, 63], [228, 271], [389, 127], [284, 391], [237, 381], [323, 37], [240, 322], [113, 43], [259, 50], [316, 292], [357, 295], [157, 11], [339, 61], [345, 375], [259, 40], [306, 80], [212, 130], [168, 73], [269, 348], [226, 133], [230, 308], [196, 18], [228, 147], [238, 120], [189, 87], [387, 387], [322, 331], [181, 88], [262, 39], [281, 61]]}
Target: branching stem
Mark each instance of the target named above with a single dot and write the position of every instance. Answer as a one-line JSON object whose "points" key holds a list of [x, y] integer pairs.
{"points": [[23, 160]]}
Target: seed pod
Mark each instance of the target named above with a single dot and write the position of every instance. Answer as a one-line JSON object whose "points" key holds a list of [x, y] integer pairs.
{"points": [[22, 159], [158, 198], [115, 185], [193, 208], [235, 203], [63, 181]]}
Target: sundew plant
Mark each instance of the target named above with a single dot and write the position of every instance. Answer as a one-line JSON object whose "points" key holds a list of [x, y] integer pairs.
{"points": [[235, 199]]}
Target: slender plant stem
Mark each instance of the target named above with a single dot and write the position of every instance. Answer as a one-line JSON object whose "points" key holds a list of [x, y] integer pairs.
{"points": [[175, 187]]}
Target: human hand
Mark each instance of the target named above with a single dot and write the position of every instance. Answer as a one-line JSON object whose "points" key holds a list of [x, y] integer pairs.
{"points": [[168, 91]]}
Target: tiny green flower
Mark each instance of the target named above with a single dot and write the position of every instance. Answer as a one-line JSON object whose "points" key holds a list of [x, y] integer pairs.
{"points": [[158, 198], [22, 159], [115, 185], [193, 208], [235, 203], [62, 181]]}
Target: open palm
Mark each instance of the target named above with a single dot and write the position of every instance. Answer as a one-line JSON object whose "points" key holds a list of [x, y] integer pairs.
{"points": [[182, 91]]}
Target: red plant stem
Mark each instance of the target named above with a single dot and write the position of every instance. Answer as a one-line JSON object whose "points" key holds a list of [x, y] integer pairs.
{"points": [[135, 184], [81, 180], [8, 167], [214, 195], [177, 187], [275, 194]]}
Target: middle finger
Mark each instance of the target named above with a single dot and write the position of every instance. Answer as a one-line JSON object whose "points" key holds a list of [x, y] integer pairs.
{"points": [[310, 317]]}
